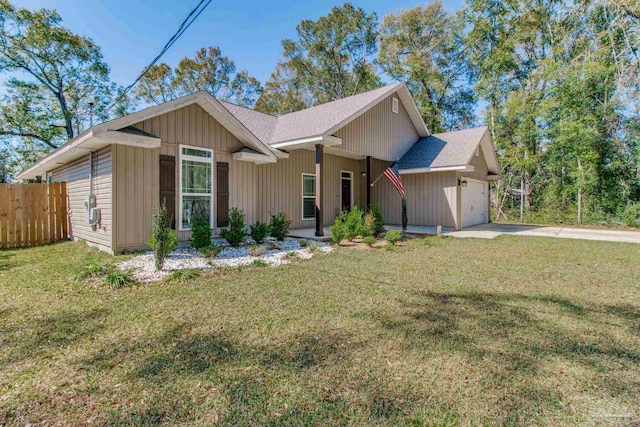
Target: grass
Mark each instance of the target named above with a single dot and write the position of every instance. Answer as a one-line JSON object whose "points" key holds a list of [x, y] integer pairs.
{"points": [[511, 331]]}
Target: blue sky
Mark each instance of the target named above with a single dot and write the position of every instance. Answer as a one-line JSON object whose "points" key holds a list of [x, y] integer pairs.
{"points": [[132, 32]]}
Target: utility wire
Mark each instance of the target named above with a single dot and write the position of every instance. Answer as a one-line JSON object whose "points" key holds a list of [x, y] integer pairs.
{"points": [[191, 17]]}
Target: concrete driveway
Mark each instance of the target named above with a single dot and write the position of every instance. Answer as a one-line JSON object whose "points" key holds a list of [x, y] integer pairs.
{"points": [[489, 231]]}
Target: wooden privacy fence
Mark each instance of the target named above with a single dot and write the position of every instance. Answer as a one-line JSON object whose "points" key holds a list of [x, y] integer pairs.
{"points": [[32, 214]]}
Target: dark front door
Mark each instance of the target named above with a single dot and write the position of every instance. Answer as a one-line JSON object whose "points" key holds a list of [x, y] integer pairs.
{"points": [[168, 186], [346, 193]]}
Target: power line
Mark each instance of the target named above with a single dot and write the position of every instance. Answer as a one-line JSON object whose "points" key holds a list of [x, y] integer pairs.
{"points": [[184, 26]]}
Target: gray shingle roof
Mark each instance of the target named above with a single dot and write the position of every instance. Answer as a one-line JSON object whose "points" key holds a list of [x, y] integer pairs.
{"points": [[443, 149], [309, 122]]}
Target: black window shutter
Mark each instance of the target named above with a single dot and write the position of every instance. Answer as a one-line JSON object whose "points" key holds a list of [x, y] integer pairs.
{"points": [[168, 186], [222, 195]]}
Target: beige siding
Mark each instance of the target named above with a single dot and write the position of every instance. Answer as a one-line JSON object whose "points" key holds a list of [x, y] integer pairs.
{"points": [[379, 132], [478, 162], [137, 176], [279, 186], [431, 197], [76, 175]]}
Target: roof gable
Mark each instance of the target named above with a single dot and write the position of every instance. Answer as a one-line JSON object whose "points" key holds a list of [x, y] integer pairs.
{"points": [[450, 149], [323, 119]]}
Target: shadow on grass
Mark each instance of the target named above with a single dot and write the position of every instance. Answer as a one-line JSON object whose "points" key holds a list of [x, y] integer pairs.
{"points": [[36, 335], [519, 336], [5, 263]]}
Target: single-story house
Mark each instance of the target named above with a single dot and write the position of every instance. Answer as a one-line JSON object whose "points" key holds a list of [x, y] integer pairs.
{"points": [[197, 152]]}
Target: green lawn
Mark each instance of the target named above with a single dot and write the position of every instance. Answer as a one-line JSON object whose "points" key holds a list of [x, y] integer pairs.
{"points": [[507, 331]]}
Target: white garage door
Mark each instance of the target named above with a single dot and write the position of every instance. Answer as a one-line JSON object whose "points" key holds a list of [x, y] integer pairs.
{"points": [[474, 203]]}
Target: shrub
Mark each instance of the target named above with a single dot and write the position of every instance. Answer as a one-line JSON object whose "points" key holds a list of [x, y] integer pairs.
{"points": [[162, 239], [200, 231], [378, 224], [291, 255], [303, 243], [393, 236], [274, 246], [236, 232], [338, 229], [354, 223], [256, 250], [279, 225], [312, 248], [93, 270], [369, 240], [183, 275], [348, 225], [210, 251], [369, 224], [119, 279], [259, 231], [631, 215]]}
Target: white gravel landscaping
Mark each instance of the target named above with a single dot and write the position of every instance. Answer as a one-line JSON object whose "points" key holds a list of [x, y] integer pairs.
{"points": [[143, 269]]}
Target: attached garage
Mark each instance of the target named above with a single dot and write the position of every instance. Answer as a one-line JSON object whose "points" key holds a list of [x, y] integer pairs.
{"points": [[474, 202], [449, 174]]}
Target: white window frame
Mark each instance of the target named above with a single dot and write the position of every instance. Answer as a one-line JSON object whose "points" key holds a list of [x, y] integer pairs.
{"points": [[308, 197], [350, 179], [210, 160], [394, 105]]}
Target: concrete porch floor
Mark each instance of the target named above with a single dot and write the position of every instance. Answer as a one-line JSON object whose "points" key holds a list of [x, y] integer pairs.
{"points": [[310, 233]]}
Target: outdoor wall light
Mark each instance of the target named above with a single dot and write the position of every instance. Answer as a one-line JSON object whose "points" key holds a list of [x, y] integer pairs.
{"points": [[463, 182], [363, 174]]}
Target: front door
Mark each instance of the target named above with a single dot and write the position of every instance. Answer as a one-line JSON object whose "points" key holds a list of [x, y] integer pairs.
{"points": [[347, 182]]}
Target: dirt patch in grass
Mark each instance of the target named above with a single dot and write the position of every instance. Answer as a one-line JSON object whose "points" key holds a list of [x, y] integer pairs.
{"points": [[513, 330]]}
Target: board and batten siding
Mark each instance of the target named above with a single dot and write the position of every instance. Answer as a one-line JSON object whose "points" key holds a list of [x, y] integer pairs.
{"points": [[279, 186], [76, 175], [137, 174], [481, 171], [431, 197], [380, 132]]}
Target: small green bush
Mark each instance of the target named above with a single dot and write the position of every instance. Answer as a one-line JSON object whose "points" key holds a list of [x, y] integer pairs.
{"points": [[303, 243], [119, 279], [393, 236], [259, 231], [210, 251], [631, 215], [259, 263], [338, 230], [274, 246], [257, 250], [183, 275], [369, 240], [390, 247], [312, 248], [93, 270], [162, 239], [291, 255], [279, 225], [200, 231], [237, 231], [348, 225], [378, 225]]}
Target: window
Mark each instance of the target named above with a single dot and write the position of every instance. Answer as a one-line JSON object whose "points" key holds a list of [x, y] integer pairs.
{"points": [[308, 196], [196, 185], [394, 105]]}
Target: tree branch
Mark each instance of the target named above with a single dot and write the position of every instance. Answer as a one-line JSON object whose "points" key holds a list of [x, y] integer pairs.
{"points": [[28, 135]]}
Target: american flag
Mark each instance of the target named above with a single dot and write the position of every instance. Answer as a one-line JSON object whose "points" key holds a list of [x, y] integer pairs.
{"points": [[393, 173]]}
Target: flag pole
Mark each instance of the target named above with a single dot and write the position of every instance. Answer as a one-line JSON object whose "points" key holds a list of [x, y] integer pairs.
{"points": [[377, 179]]}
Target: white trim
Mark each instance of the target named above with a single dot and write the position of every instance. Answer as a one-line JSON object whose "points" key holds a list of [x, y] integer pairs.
{"points": [[256, 158], [463, 168], [350, 179], [394, 105], [307, 197], [117, 137], [209, 160], [326, 140]]}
